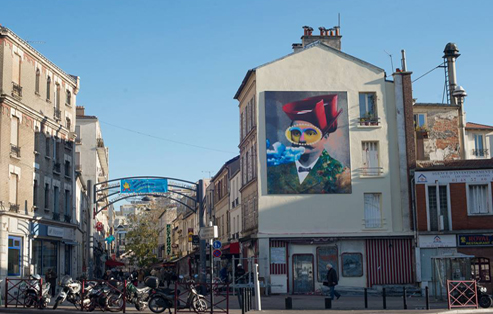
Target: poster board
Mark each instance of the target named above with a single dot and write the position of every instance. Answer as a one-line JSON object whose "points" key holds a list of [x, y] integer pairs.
{"points": [[325, 255]]}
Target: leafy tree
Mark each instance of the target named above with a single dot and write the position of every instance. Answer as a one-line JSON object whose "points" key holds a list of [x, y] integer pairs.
{"points": [[142, 237]]}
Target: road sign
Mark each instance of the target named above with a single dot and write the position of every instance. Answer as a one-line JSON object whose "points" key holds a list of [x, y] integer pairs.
{"points": [[217, 253], [195, 240], [217, 244], [208, 233]]}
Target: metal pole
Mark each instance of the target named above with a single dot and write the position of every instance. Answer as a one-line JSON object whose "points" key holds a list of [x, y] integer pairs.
{"points": [[427, 297], [366, 298], [384, 295], [200, 200], [6, 290], [212, 271], [258, 305], [404, 298], [242, 303]]}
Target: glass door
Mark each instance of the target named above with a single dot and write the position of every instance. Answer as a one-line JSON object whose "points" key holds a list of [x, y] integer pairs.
{"points": [[302, 273]]}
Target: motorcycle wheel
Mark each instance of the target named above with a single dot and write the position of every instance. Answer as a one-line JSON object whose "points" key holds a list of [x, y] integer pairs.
{"points": [[484, 301], [140, 306], [57, 303], [199, 305], [29, 300], [158, 304], [115, 303]]}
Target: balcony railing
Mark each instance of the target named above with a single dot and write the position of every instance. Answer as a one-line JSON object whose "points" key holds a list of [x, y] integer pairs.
{"points": [[371, 171], [56, 216], [100, 142], [68, 218], [58, 114], [14, 208], [16, 90], [15, 151], [480, 152], [57, 167], [369, 120]]}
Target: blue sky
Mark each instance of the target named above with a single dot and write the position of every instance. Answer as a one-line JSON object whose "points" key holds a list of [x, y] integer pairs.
{"points": [[171, 68]]}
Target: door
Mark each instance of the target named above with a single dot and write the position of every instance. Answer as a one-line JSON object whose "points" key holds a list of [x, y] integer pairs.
{"points": [[302, 273]]}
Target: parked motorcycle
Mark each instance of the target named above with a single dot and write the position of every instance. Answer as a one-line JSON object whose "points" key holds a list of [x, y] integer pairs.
{"points": [[71, 291], [32, 296], [138, 296], [484, 300], [104, 297], [163, 299]]}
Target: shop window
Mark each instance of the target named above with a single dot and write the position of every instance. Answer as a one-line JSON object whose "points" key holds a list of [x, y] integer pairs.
{"points": [[15, 256], [373, 211], [479, 199], [438, 215], [44, 256], [481, 269], [352, 264]]}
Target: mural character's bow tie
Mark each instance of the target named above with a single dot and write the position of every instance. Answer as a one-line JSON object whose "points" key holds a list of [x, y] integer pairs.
{"points": [[303, 169]]}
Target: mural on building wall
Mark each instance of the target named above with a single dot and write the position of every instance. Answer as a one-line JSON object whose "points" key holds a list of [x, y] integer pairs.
{"points": [[307, 143]]}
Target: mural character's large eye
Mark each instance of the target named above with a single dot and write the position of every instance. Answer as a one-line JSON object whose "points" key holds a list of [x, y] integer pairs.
{"points": [[303, 134]]}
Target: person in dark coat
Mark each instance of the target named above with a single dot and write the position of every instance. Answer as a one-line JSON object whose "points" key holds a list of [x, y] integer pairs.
{"points": [[332, 281], [51, 278]]}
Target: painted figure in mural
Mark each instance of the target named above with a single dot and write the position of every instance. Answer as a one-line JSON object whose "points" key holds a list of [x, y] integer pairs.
{"points": [[311, 170]]}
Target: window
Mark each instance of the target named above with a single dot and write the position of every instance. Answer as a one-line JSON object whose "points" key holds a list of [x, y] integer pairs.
{"points": [[243, 125], [479, 199], [14, 137], [57, 96], [13, 189], [249, 165], [47, 147], [47, 196], [48, 88], [438, 208], [481, 269], [55, 149], [67, 168], [15, 256], [420, 121], [68, 100], [16, 69], [68, 200], [479, 145], [370, 159], [36, 85], [35, 193], [44, 256], [56, 195], [368, 108], [373, 213]]}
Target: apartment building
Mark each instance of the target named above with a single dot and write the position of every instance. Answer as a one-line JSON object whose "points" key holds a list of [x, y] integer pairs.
{"points": [[37, 216], [324, 168]]}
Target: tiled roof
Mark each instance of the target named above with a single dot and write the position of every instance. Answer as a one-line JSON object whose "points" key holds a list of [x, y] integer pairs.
{"points": [[456, 164], [477, 126]]}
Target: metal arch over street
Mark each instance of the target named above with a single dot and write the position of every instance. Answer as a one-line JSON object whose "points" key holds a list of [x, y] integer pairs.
{"points": [[123, 188]]}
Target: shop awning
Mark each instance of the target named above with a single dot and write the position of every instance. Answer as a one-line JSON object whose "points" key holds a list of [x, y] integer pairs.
{"points": [[112, 263], [233, 248]]}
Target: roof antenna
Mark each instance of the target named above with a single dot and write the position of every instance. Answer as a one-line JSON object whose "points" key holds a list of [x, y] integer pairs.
{"points": [[339, 20], [391, 62]]}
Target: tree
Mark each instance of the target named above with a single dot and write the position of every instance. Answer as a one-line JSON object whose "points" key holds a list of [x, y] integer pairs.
{"points": [[142, 237]]}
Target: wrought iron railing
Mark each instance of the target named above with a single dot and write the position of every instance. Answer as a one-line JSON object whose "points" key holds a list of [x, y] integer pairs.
{"points": [[480, 152], [56, 216], [15, 150], [371, 171], [14, 208], [16, 90], [68, 218], [369, 121]]}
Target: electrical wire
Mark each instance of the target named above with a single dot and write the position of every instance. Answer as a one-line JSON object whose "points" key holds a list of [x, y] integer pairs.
{"points": [[166, 139], [438, 66]]}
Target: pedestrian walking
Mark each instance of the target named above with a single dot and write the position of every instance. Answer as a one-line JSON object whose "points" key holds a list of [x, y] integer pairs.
{"points": [[51, 278], [332, 282]]}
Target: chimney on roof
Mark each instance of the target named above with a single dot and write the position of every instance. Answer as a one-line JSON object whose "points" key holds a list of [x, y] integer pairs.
{"points": [[450, 54], [79, 111], [331, 37]]}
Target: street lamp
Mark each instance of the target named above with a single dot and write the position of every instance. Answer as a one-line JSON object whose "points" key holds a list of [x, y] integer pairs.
{"points": [[459, 94]]}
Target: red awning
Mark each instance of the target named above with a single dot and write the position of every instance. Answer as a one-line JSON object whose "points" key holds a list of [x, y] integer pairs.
{"points": [[112, 263], [234, 248]]}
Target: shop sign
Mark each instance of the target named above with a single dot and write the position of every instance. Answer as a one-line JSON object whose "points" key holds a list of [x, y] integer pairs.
{"points": [[475, 240], [55, 232], [443, 240], [190, 234], [454, 176]]}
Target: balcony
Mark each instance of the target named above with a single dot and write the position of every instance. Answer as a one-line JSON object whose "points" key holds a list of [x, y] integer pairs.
{"points": [[68, 218], [58, 114], [16, 90], [57, 167], [14, 208], [480, 152], [369, 120], [56, 216], [371, 171], [15, 151]]}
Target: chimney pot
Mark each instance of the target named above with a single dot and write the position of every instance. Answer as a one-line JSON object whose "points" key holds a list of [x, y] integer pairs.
{"points": [[80, 110], [337, 30]]}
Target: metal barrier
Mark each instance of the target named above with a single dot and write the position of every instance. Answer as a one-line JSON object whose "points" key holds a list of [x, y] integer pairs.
{"points": [[118, 290], [245, 298], [16, 290], [217, 297], [462, 293]]}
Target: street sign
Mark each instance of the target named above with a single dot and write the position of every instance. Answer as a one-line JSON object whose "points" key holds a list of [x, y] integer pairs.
{"points": [[195, 240], [208, 233], [217, 253], [217, 244]]}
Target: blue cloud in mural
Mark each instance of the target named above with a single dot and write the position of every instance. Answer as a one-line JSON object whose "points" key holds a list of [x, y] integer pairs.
{"points": [[280, 154]]}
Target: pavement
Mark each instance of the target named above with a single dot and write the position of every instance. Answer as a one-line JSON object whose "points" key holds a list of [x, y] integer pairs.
{"points": [[308, 304]]}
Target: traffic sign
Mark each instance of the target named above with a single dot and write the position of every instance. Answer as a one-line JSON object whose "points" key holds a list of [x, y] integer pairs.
{"points": [[195, 240], [208, 233], [217, 253], [217, 244]]}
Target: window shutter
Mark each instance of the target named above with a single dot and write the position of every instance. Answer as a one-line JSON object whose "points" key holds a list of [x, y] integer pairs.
{"points": [[14, 132], [13, 189], [16, 69]]}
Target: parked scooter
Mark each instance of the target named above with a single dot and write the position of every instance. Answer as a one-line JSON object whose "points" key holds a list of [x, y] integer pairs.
{"points": [[138, 296], [32, 296], [484, 300], [71, 291]]}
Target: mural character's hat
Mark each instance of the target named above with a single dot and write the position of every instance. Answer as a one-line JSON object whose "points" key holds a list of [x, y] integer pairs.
{"points": [[320, 111]]}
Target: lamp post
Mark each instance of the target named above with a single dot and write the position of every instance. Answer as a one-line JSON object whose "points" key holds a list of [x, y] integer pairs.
{"points": [[459, 94]]}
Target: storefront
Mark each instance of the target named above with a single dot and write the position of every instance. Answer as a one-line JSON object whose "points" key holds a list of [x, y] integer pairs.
{"points": [[481, 247], [14, 244], [53, 247]]}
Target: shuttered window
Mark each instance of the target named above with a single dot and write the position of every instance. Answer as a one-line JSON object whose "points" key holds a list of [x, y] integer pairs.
{"points": [[479, 199], [14, 131], [13, 189], [370, 159], [373, 213]]}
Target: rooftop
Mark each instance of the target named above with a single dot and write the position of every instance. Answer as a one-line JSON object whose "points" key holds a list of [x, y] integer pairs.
{"points": [[477, 126]]}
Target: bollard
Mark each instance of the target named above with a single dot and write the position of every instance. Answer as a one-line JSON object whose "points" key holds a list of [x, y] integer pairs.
{"points": [[404, 298], [289, 303], [427, 297], [384, 295], [249, 299], [366, 298], [328, 303], [242, 303]]}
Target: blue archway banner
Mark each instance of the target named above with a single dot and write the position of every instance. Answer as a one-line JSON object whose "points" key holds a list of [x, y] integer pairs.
{"points": [[131, 186]]}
